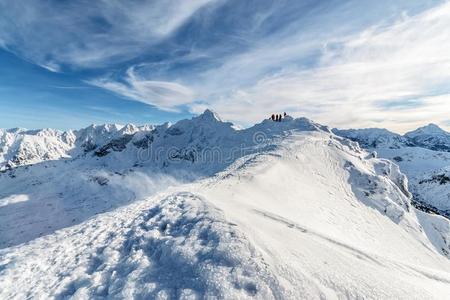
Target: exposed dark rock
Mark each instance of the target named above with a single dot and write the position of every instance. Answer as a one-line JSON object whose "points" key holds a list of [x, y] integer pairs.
{"points": [[145, 142], [398, 158], [174, 131], [88, 146], [100, 180], [118, 144], [425, 207], [183, 154], [439, 178]]}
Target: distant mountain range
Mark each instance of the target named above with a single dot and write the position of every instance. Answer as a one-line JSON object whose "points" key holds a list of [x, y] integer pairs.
{"points": [[423, 155], [431, 137], [22, 147]]}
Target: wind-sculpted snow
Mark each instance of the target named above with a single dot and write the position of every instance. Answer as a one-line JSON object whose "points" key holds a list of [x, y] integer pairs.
{"points": [[385, 188], [333, 223], [433, 188], [45, 198], [423, 155], [178, 247], [198, 209]]}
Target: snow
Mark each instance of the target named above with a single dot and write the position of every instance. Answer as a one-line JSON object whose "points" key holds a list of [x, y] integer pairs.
{"points": [[20, 147], [177, 246], [431, 137], [289, 210], [373, 137], [13, 199], [421, 154]]}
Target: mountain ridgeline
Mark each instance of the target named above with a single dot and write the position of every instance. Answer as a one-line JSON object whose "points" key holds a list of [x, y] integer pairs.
{"points": [[198, 209], [423, 155], [431, 137], [20, 147]]}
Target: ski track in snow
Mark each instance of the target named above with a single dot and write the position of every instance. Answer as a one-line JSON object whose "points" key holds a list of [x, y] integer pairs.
{"points": [[383, 262]]}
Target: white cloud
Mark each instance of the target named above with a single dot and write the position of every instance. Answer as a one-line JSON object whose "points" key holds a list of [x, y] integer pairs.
{"points": [[317, 65], [356, 74], [163, 94], [88, 34], [51, 66]]}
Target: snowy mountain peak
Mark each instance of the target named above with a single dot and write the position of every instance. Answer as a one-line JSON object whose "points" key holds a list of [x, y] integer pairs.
{"points": [[210, 116], [129, 129], [373, 137], [206, 124], [428, 129], [431, 137]]}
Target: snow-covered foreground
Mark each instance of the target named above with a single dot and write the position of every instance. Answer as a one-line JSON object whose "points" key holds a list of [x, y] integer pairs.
{"points": [[309, 215]]}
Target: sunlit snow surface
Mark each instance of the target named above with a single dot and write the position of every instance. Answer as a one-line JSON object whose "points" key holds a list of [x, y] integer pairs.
{"points": [[301, 213], [13, 199], [423, 155]]}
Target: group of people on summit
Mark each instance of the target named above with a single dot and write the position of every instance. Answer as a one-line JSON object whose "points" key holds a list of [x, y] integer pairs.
{"points": [[277, 117]]}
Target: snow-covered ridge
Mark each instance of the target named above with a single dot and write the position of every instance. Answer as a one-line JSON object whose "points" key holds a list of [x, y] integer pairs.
{"points": [[423, 155], [298, 213], [108, 162], [431, 137], [20, 147]]}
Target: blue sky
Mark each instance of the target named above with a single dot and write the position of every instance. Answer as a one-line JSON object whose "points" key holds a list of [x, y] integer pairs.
{"points": [[67, 64]]}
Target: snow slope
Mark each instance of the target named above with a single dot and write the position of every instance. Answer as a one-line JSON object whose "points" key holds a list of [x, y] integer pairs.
{"points": [[288, 211], [431, 137], [66, 192], [421, 154]]}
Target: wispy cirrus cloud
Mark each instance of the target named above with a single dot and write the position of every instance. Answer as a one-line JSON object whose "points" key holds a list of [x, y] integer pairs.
{"points": [[353, 74], [345, 63], [162, 94], [88, 34]]}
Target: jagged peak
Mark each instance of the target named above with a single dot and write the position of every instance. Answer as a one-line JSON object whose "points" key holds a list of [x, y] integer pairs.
{"points": [[14, 130], [209, 115], [101, 128], [129, 129], [208, 119]]}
